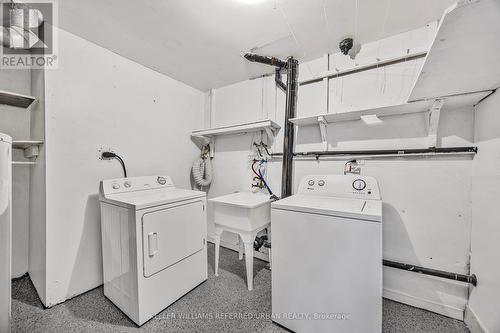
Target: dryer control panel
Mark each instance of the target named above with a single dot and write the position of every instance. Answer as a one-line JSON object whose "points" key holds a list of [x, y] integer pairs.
{"points": [[132, 184], [344, 186]]}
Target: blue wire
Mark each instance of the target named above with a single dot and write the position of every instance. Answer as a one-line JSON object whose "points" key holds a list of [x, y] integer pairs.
{"points": [[262, 178]]}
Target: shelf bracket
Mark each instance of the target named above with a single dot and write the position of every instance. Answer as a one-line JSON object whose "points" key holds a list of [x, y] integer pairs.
{"points": [[323, 131], [202, 140], [271, 134], [434, 114]]}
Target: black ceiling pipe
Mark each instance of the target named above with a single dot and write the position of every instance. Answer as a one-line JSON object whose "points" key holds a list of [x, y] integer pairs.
{"points": [[291, 88], [271, 61], [279, 82], [292, 84]]}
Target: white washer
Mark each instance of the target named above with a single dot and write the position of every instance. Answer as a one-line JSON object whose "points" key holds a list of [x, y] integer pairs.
{"points": [[327, 256], [5, 230], [153, 243]]}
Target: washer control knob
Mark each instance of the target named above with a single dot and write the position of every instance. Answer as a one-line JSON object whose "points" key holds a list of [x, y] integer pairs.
{"points": [[359, 184], [115, 186], [127, 184], [321, 183], [161, 180], [310, 182]]}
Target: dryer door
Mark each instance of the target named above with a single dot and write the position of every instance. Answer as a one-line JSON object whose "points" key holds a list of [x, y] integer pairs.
{"points": [[172, 234]]}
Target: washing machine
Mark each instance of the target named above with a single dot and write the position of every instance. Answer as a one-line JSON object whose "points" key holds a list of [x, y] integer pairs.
{"points": [[153, 243], [5, 230], [327, 256]]}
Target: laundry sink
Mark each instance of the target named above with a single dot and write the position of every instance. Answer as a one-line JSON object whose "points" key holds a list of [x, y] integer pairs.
{"points": [[244, 211]]}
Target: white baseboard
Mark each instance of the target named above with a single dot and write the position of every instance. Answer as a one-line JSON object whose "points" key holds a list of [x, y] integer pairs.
{"points": [[256, 254], [445, 310], [472, 321]]}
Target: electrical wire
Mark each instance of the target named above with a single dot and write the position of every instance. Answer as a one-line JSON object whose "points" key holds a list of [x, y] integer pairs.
{"points": [[109, 155], [263, 180], [253, 168], [123, 165]]}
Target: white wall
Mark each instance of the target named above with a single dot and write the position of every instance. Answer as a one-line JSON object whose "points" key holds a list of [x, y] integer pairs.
{"points": [[16, 123], [427, 210], [98, 99], [38, 191], [485, 298]]}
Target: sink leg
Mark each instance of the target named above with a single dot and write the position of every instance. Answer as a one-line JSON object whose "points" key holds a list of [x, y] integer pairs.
{"points": [[240, 248], [249, 264], [218, 233]]}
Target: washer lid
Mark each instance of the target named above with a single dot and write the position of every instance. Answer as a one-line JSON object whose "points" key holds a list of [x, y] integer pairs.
{"points": [[370, 210], [151, 198], [5, 138]]}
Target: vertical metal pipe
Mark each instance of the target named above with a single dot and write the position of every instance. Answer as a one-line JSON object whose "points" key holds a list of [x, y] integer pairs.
{"points": [[290, 112]]}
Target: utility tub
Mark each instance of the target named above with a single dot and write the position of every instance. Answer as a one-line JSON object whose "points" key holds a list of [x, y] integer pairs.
{"points": [[242, 210], [244, 214]]}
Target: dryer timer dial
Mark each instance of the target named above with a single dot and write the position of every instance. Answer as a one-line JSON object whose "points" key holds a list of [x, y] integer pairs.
{"points": [[359, 184]]}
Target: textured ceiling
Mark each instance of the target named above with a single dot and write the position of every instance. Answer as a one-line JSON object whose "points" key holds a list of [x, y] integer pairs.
{"points": [[199, 42]]}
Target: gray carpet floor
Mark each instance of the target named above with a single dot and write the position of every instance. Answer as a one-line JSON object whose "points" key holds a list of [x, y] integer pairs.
{"points": [[227, 293]]}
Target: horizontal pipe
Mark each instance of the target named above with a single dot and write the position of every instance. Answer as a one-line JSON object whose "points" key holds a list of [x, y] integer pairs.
{"points": [[363, 68], [382, 152], [386, 156], [272, 61], [472, 279]]}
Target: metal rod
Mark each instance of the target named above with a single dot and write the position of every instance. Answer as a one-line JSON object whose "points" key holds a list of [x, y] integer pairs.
{"points": [[272, 61], [472, 279], [398, 152], [372, 157], [292, 85], [363, 68]]}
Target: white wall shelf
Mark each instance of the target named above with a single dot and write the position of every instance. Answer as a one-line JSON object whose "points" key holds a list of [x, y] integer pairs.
{"points": [[464, 55], [23, 163], [451, 102], [254, 126], [203, 137], [433, 106], [17, 100], [31, 148], [20, 144]]}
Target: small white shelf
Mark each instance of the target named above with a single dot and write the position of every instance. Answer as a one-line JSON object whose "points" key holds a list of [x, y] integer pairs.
{"points": [[452, 102], [31, 148], [206, 136], [464, 56], [23, 163], [15, 99], [20, 144], [254, 126], [433, 107]]}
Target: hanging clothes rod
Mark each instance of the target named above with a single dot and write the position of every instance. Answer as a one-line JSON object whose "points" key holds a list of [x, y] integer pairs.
{"points": [[362, 68], [383, 152]]}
